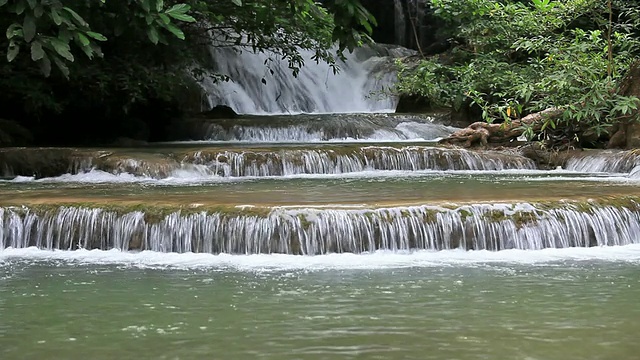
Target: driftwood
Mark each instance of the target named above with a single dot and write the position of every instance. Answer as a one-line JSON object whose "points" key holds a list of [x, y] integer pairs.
{"points": [[483, 133]]}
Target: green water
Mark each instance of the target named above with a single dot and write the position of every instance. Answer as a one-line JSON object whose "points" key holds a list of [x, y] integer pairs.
{"points": [[394, 188], [564, 310]]}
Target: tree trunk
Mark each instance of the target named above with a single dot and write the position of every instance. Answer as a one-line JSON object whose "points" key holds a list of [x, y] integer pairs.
{"points": [[482, 133], [627, 134]]}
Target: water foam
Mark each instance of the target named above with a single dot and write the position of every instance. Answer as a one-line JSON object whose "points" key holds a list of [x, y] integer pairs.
{"points": [[379, 260]]}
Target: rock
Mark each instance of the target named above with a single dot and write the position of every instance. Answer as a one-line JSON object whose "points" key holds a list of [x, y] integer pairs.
{"points": [[219, 112], [413, 104], [633, 135], [128, 142]]}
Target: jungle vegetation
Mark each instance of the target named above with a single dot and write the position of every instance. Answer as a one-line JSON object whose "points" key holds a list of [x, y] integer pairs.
{"points": [[508, 59]]}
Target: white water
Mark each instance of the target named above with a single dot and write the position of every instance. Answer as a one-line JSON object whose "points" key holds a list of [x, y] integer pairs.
{"points": [[354, 89], [185, 177], [621, 162], [378, 260], [405, 131]]}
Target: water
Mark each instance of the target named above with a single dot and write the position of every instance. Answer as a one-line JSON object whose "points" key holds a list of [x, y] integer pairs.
{"points": [[264, 84], [565, 306], [295, 237], [323, 128]]}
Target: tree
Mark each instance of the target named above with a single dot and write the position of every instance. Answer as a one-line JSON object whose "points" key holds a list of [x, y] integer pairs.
{"points": [[516, 58]]}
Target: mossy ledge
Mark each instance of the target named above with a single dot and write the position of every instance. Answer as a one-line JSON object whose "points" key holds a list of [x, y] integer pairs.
{"points": [[309, 231]]}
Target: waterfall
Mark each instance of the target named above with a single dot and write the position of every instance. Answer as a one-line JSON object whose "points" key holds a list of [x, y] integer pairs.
{"points": [[606, 161], [262, 83], [335, 159], [349, 159], [322, 127], [322, 231]]}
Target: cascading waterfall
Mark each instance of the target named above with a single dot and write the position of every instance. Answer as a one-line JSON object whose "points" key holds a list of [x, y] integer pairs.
{"points": [[287, 161], [314, 128], [322, 231], [607, 161], [338, 161], [272, 89]]}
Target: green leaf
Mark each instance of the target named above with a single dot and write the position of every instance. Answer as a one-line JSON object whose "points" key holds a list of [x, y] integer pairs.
{"points": [[37, 52], [159, 5], [38, 11], [76, 16], [182, 17], [29, 28], [45, 65], [13, 30], [62, 48], [96, 36], [178, 9], [20, 6], [145, 5], [175, 31], [61, 66], [12, 51], [84, 41], [32, 3], [152, 33], [87, 51], [55, 16], [3, 2], [237, 2], [164, 18]]}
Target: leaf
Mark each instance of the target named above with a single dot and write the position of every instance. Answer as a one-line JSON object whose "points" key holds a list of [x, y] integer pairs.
{"points": [[175, 31], [13, 30], [145, 5], [178, 9], [37, 52], [55, 16], [45, 66], [61, 66], [182, 17], [38, 11], [159, 5], [84, 41], [237, 2], [96, 36], [12, 51], [29, 28], [62, 48], [87, 51], [152, 33], [3, 2], [75, 15], [32, 3], [20, 7], [164, 18]]}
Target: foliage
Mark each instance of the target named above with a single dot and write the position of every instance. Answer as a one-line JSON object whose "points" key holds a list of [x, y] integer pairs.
{"points": [[116, 59], [519, 57]]}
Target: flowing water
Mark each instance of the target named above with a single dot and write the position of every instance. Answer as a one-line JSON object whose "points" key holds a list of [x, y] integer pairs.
{"points": [[450, 305], [316, 236]]}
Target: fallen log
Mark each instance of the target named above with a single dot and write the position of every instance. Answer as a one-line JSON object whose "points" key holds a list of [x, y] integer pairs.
{"points": [[483, 133]]}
